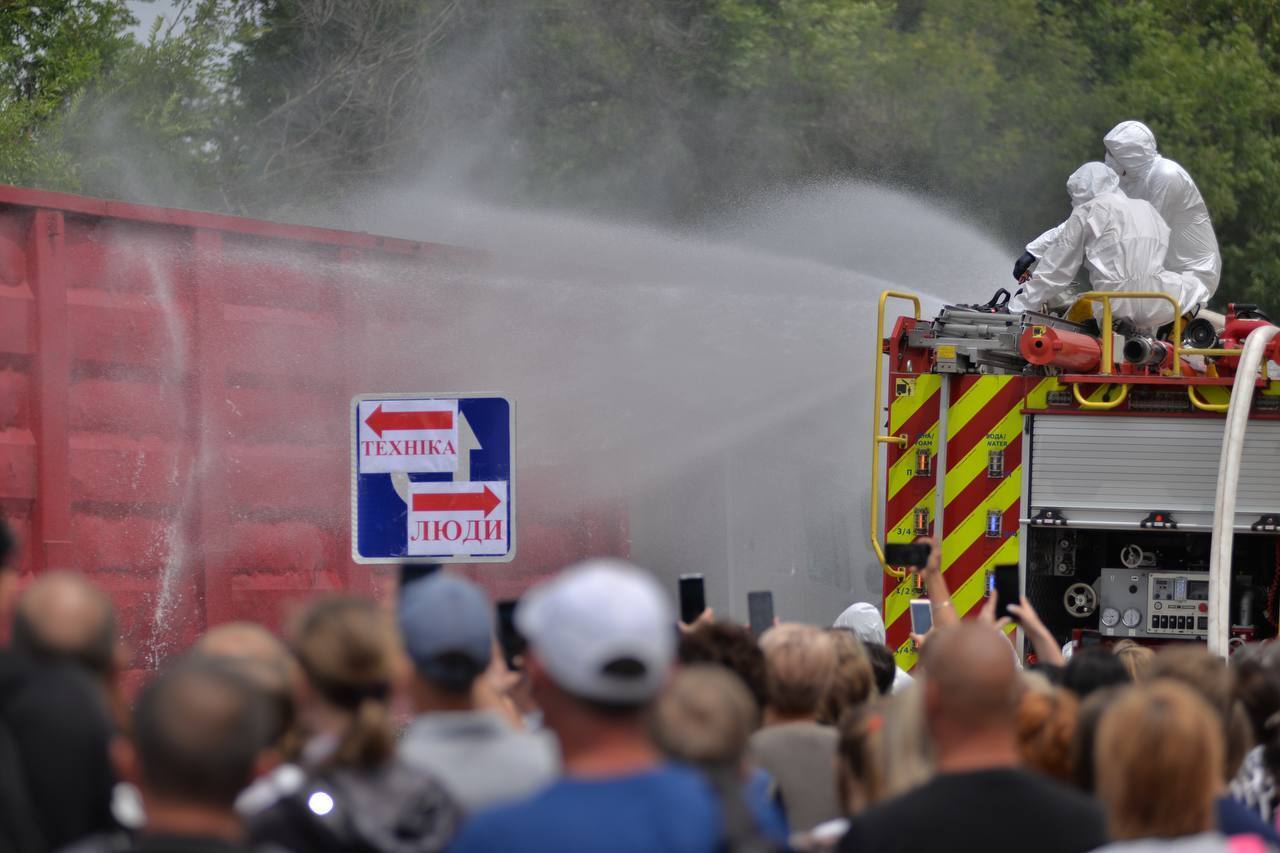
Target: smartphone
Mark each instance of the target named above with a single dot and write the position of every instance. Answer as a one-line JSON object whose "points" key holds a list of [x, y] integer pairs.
{"points": [[509, 639], [693, 597], [760, 611], [411, 572], [1006, 588], [921, 616], [914, 554]]}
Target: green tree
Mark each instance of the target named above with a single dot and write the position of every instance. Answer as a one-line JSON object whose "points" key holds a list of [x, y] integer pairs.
{"points": [[49, 51]]}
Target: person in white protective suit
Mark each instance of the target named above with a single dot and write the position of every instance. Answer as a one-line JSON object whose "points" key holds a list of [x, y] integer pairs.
{"points": [[1122, 241], [1145, 174]]}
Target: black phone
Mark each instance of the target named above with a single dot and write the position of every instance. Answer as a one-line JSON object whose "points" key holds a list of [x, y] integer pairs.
{"points": [[693, 597], [412, 572], [912, 554], [760, 611], [1006, 588], [509, 639]]}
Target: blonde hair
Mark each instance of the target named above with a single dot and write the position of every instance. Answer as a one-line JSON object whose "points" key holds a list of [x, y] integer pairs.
{"points": [[1157, 753], [346, 647], [852, 682], [906, 748], [1136, 659], [705, 716], [860, 778], [800, 661], [1046, 730]]}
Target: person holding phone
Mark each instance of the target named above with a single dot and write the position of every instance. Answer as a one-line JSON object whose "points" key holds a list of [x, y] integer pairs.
{"points": [[618, 791], [447, 625], [863, 618]]}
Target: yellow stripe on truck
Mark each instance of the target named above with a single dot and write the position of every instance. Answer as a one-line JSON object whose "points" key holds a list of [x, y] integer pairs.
{"points": [[974, 463], [903, 471], [902, 408]]}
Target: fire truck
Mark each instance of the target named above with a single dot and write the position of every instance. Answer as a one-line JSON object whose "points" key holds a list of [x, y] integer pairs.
{"points": [[1134, 480]]}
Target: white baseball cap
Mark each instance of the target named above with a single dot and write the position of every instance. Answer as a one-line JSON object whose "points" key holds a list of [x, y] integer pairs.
{"points": [[603, 629]]}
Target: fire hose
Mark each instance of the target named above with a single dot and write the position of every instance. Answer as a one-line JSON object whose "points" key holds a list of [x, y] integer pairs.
{"points": [[1224, 508]]}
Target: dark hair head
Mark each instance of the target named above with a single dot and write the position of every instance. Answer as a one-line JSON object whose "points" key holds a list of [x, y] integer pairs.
{"points": [[1093, 669], [1090, 712], [883, 667], [731, 646], [8, 544], [198, 727], [1256, 670], [1257, 686]]}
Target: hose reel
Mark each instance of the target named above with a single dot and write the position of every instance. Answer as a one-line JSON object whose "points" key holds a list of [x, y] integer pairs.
{"points": [[1080, 600], [1133, 557]]}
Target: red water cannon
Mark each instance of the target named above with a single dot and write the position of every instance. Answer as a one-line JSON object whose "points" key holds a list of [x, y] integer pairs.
{"points": [[1073, 351]]}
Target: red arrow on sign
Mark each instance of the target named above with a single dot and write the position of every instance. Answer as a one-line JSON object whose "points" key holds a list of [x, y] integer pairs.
{"points": [[378, 420], [485, 502]]}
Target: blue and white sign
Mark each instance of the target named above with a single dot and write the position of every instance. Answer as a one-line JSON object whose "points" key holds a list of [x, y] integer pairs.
{"points": [[432, 478]]}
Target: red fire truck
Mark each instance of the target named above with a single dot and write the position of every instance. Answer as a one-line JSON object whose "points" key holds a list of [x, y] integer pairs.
{"points": [[1135, 481]]}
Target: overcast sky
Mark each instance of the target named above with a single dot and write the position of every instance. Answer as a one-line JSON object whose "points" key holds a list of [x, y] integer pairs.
{"points": [[146, 11]]}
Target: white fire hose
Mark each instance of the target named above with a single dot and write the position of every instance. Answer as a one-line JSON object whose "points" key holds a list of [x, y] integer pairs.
{"points": [[1224, 508]]}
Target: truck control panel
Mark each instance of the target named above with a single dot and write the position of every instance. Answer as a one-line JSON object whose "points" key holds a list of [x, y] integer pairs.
{"points": [[1150, 603]]}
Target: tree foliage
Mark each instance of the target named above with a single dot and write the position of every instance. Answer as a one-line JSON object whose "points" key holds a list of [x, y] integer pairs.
{"points": [[663, 108]]}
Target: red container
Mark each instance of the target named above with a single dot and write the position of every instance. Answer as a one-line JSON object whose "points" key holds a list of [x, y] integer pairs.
{"points": [[174, 395]]}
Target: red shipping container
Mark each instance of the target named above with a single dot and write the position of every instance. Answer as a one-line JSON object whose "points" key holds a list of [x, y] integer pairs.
{"points": [[174, 392]]}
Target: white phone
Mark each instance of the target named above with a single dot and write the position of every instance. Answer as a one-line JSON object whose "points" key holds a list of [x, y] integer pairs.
{"points": [[921, 616]]}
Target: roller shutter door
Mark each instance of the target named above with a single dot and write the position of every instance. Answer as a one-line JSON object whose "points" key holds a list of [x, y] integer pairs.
{"points": [[1113, 471]]}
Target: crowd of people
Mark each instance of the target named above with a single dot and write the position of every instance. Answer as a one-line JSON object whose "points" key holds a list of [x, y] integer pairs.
{"points": [[405, 727]]}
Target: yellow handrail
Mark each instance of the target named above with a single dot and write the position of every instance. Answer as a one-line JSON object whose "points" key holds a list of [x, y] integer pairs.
{"points": [[1108, 358], [1108, 354], [876, 438], [1204, 405], [1091, 404]]}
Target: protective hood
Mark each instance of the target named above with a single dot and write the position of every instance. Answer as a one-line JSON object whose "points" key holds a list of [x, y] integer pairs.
{"points": [[1090, 181], [1132, 146], [863, 620]]}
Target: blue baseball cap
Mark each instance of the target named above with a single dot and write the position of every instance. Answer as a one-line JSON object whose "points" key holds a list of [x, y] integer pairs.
{"points": [[447, 625]]}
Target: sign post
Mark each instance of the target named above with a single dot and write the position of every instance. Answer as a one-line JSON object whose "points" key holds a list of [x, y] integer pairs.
{"points": [[432, 478]]}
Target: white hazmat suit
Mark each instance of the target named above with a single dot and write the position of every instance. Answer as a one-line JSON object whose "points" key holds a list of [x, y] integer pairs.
{"points": [[1144, 174], [1122, 241]]}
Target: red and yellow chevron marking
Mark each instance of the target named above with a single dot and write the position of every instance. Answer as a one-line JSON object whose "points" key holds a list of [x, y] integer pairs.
{"points": [[913, 412], [985, 417], [914, 415]]}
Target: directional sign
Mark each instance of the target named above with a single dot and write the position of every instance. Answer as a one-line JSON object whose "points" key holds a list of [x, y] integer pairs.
{"points": [[444, 515], [431, 478], [407, 435]]}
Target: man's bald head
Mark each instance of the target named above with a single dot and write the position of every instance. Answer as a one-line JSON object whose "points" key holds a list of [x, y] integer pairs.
{"points": [[64, 617], [259, 653], [261, 657], [971, 678]]}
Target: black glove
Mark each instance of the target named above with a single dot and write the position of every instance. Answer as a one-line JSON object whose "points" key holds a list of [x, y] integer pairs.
{"points": [[1022, 264]]}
